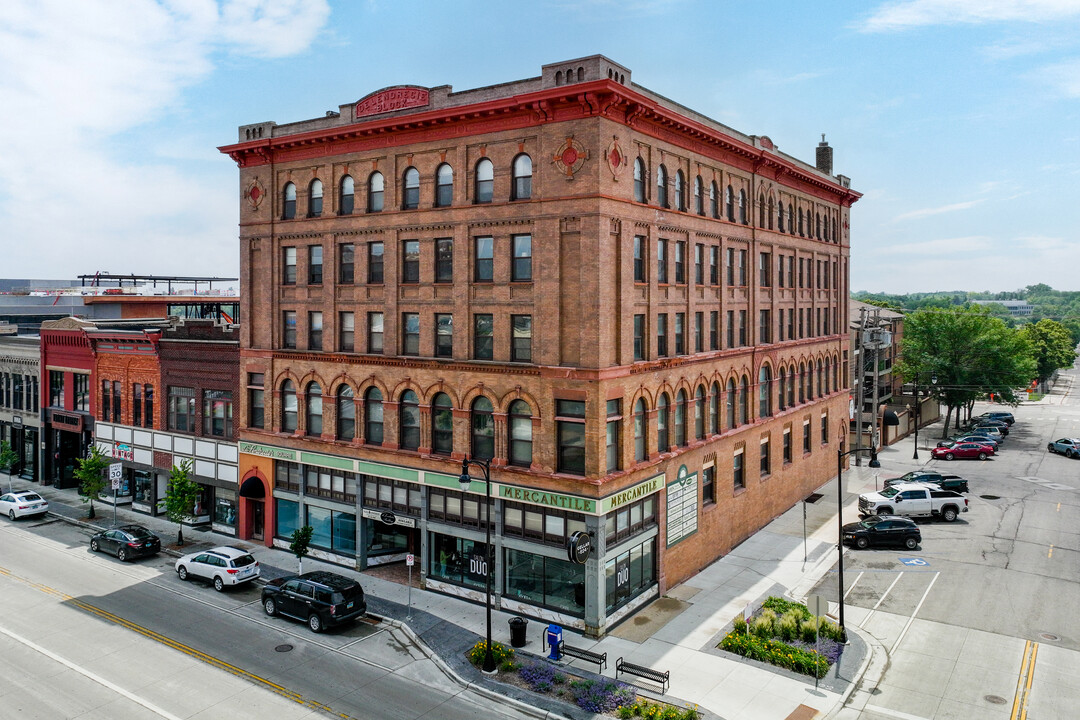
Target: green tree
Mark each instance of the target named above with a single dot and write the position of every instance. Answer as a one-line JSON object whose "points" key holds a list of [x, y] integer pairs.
{"points": [[301, 543], [91, 476], [8, 458], [1053, 346], [180, 497]]}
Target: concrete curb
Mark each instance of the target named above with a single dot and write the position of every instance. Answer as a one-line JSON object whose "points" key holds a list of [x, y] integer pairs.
{"points": [[877, 656]]}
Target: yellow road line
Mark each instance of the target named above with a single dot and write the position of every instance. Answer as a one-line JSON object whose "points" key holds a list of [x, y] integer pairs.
{"points": [[1031, 676], [175, 644], [1023, 682], [1051, 552]]}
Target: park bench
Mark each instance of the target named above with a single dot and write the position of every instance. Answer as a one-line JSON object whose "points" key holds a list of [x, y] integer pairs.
{"points": [[662, 678], [599, 658]]}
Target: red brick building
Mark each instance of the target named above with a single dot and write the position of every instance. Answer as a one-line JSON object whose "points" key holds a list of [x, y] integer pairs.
{"points": [[637, 314]]}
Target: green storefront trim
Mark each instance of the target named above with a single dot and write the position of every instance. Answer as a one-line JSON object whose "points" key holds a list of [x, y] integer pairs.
{"points": [[326, 461]]}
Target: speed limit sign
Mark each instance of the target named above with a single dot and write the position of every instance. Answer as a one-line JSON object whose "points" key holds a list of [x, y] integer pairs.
{"points": [[116, 472]]}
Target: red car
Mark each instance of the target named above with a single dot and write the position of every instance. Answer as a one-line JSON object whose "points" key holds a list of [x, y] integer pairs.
{"points": [[967, 450]]}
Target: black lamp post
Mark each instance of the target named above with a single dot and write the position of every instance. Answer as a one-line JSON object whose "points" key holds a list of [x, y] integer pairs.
{"points": [[918, 409], [466, 482], [840, 455]]}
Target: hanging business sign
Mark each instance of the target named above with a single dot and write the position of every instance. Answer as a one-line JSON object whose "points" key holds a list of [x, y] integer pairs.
{"points": [[388, 518], [476, 569], [579, 547]]}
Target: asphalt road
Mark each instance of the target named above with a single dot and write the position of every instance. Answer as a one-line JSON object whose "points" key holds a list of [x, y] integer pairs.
{"points": [[959, 616], [85, 636]]}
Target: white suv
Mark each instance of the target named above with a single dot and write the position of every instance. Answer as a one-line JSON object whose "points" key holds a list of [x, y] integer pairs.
{"points": [[221, 566]]}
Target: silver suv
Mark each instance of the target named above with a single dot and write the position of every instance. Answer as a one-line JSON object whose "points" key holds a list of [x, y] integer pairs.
{"points": [[221, 565]]}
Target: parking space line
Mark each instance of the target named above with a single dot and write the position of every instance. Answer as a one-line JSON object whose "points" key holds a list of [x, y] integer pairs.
{"points": [[853, 584], [914, 613], [873, 610]]}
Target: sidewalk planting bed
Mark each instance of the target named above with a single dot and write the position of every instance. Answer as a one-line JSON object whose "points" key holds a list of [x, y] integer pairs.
{"points": [[783, 634], [604, 695]]}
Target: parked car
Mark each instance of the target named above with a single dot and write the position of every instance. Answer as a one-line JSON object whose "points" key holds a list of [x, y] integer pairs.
{"points": [[126, 541], [22, 504], [930, 477], [966, 450], [883, 530], [322, 599], [999, 415], [984, 425], [221, 565], [914, 500], [984, 439], [1069, 447]]}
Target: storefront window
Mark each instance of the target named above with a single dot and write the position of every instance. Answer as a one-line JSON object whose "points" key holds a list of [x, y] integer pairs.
{"points": [[288, 517], [321, 532], [225, 507], [144, 487], [630, 520], [385, 539], [344, 532], [548, 582], [630, 574], [331, 530], [458, 560]]}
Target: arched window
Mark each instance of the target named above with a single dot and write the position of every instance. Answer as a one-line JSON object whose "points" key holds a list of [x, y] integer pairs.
{"points": [[373, 417], [345, 196], [315, 198], [791, 387], [714, 409], [522, 177], [680, 418], [801, 226], [729, 203], [732, 419], [836, 373], [761, 211], [699, 201], [376, 185], [411, 199], [742, 207], [444, 185], [780, 219], [714, 200], [802, 383], [744, 400], [409, 421], [826, 223], [314, 409], [483, 429], [346, 413], [485, 181], [520, 433], [772, 212], [817, 225], [442, 424], [820, 379], [639, 180], [661, 186], [288, 210], [662, 442], [640, 444], [699, 413], [288, 407], [764, 391], [680, 195], [782, 385]]}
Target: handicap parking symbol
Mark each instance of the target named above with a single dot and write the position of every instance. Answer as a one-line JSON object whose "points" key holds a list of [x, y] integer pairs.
{"points": [[914, 561]]}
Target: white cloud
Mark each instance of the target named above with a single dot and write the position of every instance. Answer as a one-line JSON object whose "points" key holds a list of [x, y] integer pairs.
{"points": [[944, 247], [904, 14], [927, 212], [1063, 78], [77, 75]]}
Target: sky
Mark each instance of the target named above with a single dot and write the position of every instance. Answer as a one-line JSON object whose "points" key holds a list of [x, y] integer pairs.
{"points": [[958, 120]]}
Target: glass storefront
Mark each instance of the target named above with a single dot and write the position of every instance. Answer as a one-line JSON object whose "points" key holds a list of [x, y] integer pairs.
{"points": [[144, 487], [548, 582], [332, 530], [629, 574], [383, 539], [225, 507], [287, 513], [458, 560]]}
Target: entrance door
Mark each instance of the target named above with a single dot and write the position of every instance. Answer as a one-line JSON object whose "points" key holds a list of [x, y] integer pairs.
{"points": [[256, 520]]}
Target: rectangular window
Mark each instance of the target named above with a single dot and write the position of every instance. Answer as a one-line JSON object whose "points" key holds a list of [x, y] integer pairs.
{"points": [[346, 332], [714, 265], [106, 400], [742, 328], [217, 413], [444, 335], [731, 328], [801, 273], [661, 335], [346, 264], [117, 392], [521, 338], [661, 261], [824, 429], [742, 268], [288, 329], [483, 337], [731, 267], [764, 454], [375, 263], [56, 388], [136, 404], [314, 331], [699, 332], [256, 400], [699, 264], [375, 333], [614, 433], [737, 470], [639, 259], [444, 260], [182, 409], [82, 392], [680, 262], [791, 271], [485, 258], [765, 269], [708, 485], [806, 437], [315, 264], [680, 333], [791, 324], [765, 326], [410, 333], [801, 326], [639, 337], [570, 436], [780, 325], [521, 270], [148, 415], [288, 274], [779, 271], [410, 261], [787, 445], [714, 330]]}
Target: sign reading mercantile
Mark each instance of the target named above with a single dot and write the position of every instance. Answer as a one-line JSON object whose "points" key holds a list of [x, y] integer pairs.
{"points": [[632, 493], [541, 497], [249, 448]]}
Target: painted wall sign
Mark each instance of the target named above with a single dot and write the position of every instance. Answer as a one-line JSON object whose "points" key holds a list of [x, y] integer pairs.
{"points": [[123, 451], [555, 500], [390, 99], [682, 505], [579, 547], [630, 494], [249, 448]]}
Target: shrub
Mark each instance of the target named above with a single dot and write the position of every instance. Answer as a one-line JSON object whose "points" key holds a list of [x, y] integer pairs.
{"points": [[776, 653], [782, 606], [762, 627], [832, 630], [788, 626], [539, 676], [740, 626], [500, 652]]}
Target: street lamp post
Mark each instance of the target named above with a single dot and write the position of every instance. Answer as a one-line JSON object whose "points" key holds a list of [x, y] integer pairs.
{"points": [[918, 410], [489, 564], [840, 455]]}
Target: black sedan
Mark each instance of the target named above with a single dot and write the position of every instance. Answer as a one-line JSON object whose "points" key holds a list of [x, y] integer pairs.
{"points": [[883, 530], [126, 542]]}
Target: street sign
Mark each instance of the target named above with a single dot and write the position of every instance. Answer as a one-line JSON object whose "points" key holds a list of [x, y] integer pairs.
{"points": [[914, 561], [410, 559], [817, 605], [116, 472]]}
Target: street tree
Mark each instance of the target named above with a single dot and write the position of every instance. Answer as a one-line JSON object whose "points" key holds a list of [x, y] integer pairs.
{"points": [[8, 458], [91, 476], [1052, 345], [300, 545], [180, 497]]}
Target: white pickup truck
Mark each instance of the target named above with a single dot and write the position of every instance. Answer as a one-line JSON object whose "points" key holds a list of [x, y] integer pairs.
{"points": [[914, 499]]}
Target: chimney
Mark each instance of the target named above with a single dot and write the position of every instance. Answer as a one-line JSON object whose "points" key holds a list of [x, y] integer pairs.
{"points": [[824, 156]]}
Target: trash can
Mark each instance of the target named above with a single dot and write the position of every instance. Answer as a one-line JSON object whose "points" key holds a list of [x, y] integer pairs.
{"points": [[518, 625]]}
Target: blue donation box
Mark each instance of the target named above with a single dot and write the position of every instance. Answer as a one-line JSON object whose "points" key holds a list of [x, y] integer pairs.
{"points": [[554, 639]]}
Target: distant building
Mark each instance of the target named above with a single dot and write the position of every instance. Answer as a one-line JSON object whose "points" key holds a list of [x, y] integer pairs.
{"points": [[1019, 308]]}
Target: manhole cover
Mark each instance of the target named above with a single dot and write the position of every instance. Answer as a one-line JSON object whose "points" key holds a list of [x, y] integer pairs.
{"points": [[990, 497], [1049, 636], [995, 699], [283, 648]]}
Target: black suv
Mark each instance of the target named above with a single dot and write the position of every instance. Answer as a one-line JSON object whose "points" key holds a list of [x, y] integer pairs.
{"points": [[323, 599], [883, 530]]}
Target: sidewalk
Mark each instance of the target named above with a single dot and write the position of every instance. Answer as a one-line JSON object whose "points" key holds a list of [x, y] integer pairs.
{"points": [[678, 632]]}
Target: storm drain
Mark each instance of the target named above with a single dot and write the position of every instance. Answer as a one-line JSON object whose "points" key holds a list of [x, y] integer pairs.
{"points": [[283, 648], [813, 497], [990, 497], [995, 699]]}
